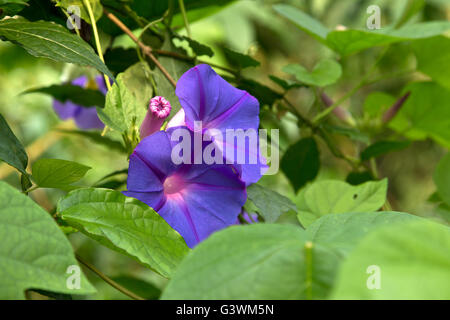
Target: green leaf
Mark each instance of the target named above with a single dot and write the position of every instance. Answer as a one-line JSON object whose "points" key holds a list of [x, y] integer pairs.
{"points": [[239, 60], [125, 225], [259, 261], [96, 6], [285, 84], [303, 21], [11, 7], [121, 111], [119, 59], [356, 177], [76, 94], [441, 178], [347, 42], [272, 261], [377, 103], [382, 147], [333, 197], [198, 48], [325, 73], [56, 173], [270, 204], [434, 65], [343, 232], [34, 253], [49, 40], [425, 113], [411, 8], [402, 254], [11, 150], [301, 162]]}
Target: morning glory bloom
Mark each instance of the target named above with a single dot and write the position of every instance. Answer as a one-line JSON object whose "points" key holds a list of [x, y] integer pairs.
{"points": [[158, 110], [208, 98], [194, 199], [85, 118]]}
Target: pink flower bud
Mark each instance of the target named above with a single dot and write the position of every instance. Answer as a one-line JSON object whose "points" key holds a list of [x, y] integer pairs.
{"points": [[158, 110], [339, 112]]}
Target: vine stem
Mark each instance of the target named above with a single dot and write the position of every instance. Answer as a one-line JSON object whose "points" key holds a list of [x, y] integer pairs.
{"points": [[185, 19], [148, 51], [108, 280], [97, 39]]}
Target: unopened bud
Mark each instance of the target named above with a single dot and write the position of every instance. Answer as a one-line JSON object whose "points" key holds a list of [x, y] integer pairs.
{"points": [[158, 110], [339, 112], [392, 111]]}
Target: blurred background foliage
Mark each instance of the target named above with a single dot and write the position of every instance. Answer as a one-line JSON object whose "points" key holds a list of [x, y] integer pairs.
{"points": [[254, 28]]}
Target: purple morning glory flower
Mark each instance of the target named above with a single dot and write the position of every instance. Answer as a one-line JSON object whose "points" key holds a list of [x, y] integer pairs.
{"points": [[194, 199], [85, 118], [207, 97]]}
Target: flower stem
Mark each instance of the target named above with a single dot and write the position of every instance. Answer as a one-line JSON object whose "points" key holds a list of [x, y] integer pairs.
{"points": [[108, 280], [186, 22], [148, 51], [97, 39]]}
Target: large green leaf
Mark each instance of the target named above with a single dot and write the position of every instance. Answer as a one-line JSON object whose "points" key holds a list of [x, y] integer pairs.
{"points": [[347, 42], [270, 204], [301, 162], [303, 21], [412, 259], [343, 231], [425, 113], [260, 261], [432, 64], [325, 73], [34, 253], [11, 7], [441, 178], [332, 197], [125, 225], [11, 150], [49, 40], [270, 261], [121, 111], [57, 173]]}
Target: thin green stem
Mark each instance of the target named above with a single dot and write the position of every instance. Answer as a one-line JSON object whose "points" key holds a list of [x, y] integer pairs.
{"points": [[108, 280], [97, 39], [185, 19], [31, 189]]}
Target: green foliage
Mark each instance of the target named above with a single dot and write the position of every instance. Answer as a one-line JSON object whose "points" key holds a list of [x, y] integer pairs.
{"points": [[433, 55], [270, 204], [441, 178], [198, 48], [426, 113], [240, 60], [382, 147], [11, 150], [121, 111], [333, 197], [125, 225], [56, 173], [305, 155], [49, 40], [96, 7], [347, 42], [68, 92], [273, 261], [325, 73], [404, 253], [24, 225]]}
